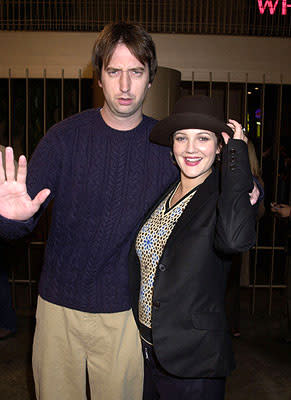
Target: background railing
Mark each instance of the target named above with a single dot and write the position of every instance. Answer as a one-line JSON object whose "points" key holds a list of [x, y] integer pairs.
{"points": [[227, 17]]}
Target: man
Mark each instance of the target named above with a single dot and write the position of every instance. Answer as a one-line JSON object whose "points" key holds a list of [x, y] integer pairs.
{"points": [[103, 174]]}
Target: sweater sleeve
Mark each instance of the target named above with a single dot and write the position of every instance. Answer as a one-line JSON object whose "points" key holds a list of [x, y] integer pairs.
{"points": [[235, 228], [42, 173]]}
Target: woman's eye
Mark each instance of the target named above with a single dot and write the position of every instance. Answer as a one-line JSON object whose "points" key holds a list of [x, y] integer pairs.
{"points": [[179, 138], [204, 138]]}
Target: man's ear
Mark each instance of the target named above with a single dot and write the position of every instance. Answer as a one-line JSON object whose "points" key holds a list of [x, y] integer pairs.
{"points": [[149, 85], [99, 83]]}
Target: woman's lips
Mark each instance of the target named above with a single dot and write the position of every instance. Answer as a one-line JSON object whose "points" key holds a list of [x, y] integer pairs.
{"points": [[192, 161]]}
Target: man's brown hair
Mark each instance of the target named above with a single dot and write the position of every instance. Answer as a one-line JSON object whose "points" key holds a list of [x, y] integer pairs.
{"points": [[136, 39]]}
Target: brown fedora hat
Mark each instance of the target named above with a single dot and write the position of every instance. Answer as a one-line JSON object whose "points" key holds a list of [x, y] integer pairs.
{"points": [[190, 112]]}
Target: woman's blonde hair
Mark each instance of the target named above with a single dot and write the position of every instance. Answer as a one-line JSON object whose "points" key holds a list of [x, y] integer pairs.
{"points": [[254, 163]]}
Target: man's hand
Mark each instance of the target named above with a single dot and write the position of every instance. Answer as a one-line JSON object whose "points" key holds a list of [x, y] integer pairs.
{"points": [[15, 203], [281, 210], [255, 194]]}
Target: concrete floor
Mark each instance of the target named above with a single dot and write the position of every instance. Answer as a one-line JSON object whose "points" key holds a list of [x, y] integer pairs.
{"points": [[263, 359]]}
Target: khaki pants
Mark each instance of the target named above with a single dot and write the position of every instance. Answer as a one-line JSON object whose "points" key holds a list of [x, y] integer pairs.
{"points": [[67, 342]]}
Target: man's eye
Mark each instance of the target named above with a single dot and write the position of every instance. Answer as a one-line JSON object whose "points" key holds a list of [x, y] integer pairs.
{"points": [[136, 72], [112, 73]]}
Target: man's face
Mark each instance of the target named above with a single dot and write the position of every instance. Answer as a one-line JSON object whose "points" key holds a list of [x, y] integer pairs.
{"points": [[125, 82]]}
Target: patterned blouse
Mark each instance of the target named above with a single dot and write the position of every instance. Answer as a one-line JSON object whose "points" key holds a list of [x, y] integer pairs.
{"points": [[150, 243]]}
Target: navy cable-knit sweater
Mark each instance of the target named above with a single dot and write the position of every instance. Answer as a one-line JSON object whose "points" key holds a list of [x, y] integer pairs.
{"points": [[102, 181]]}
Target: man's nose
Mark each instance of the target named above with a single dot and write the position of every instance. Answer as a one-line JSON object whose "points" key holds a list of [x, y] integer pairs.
{"points": [[124, 82]]}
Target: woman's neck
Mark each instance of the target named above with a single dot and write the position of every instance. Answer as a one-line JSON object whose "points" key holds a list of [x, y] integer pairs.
{"points": [[186, 185]]}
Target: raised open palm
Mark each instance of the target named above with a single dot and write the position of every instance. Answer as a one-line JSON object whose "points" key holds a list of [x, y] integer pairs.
{"points": [[15, 203]]}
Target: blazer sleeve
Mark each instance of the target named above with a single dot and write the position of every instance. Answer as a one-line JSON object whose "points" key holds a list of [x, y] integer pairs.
{"points": [[236, 217]]}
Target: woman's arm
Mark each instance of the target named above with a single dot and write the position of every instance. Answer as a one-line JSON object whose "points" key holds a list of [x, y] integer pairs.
{"points": [[236, 217]]}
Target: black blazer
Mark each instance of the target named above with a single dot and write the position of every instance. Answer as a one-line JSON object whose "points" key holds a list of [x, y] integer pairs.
{"points": [[189, 327]]}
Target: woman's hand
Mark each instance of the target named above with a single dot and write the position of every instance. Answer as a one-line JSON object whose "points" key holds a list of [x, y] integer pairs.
{"points": [[239, 135], [238, 132]]}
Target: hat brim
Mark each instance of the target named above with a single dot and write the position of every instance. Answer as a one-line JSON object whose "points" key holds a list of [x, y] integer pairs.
{"points": [[164, 129]]}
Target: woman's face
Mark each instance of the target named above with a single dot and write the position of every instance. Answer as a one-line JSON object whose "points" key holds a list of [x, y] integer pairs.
{"points": [[195, 151]]}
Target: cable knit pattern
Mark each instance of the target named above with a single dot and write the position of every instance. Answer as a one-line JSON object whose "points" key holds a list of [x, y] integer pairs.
{"points": [[102, 181]]}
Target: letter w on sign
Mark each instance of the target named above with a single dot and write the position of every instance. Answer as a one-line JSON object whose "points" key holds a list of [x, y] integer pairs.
{"points": [[269, 4]]}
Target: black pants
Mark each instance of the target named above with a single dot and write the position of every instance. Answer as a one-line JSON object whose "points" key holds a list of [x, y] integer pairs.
{"points": [[158, 384]]}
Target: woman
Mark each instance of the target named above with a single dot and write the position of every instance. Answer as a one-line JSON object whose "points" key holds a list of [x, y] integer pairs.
{"points": [[180, 259]]}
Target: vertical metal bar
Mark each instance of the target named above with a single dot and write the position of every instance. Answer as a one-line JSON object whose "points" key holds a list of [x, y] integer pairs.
{"points": [[13, 15], [9, 109], [192, 86], [86, 15], [29, 274], [200, 17], [228, 96], [255, 270], [213, 17], [182, 27], [62, 94], [69, 15], [146, 14], [261, 158], [224, 20], [176, 16], [7, 16], [189, 14], [170, 8], [2, 15], [128, 11], [245, 101], [80, 92], [195, 23], [230, 20], [56, 15], [26, 112], [242, 18], [79, 7], [140, 10], [165, 17], [122, 11], [44, 103], [262, 120], [277, 144], [134, 10], [13, 288], [254, 27], [158, 17], [153, 17], [30, 16], [38, 15], [206, 28], [210, 84]]}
